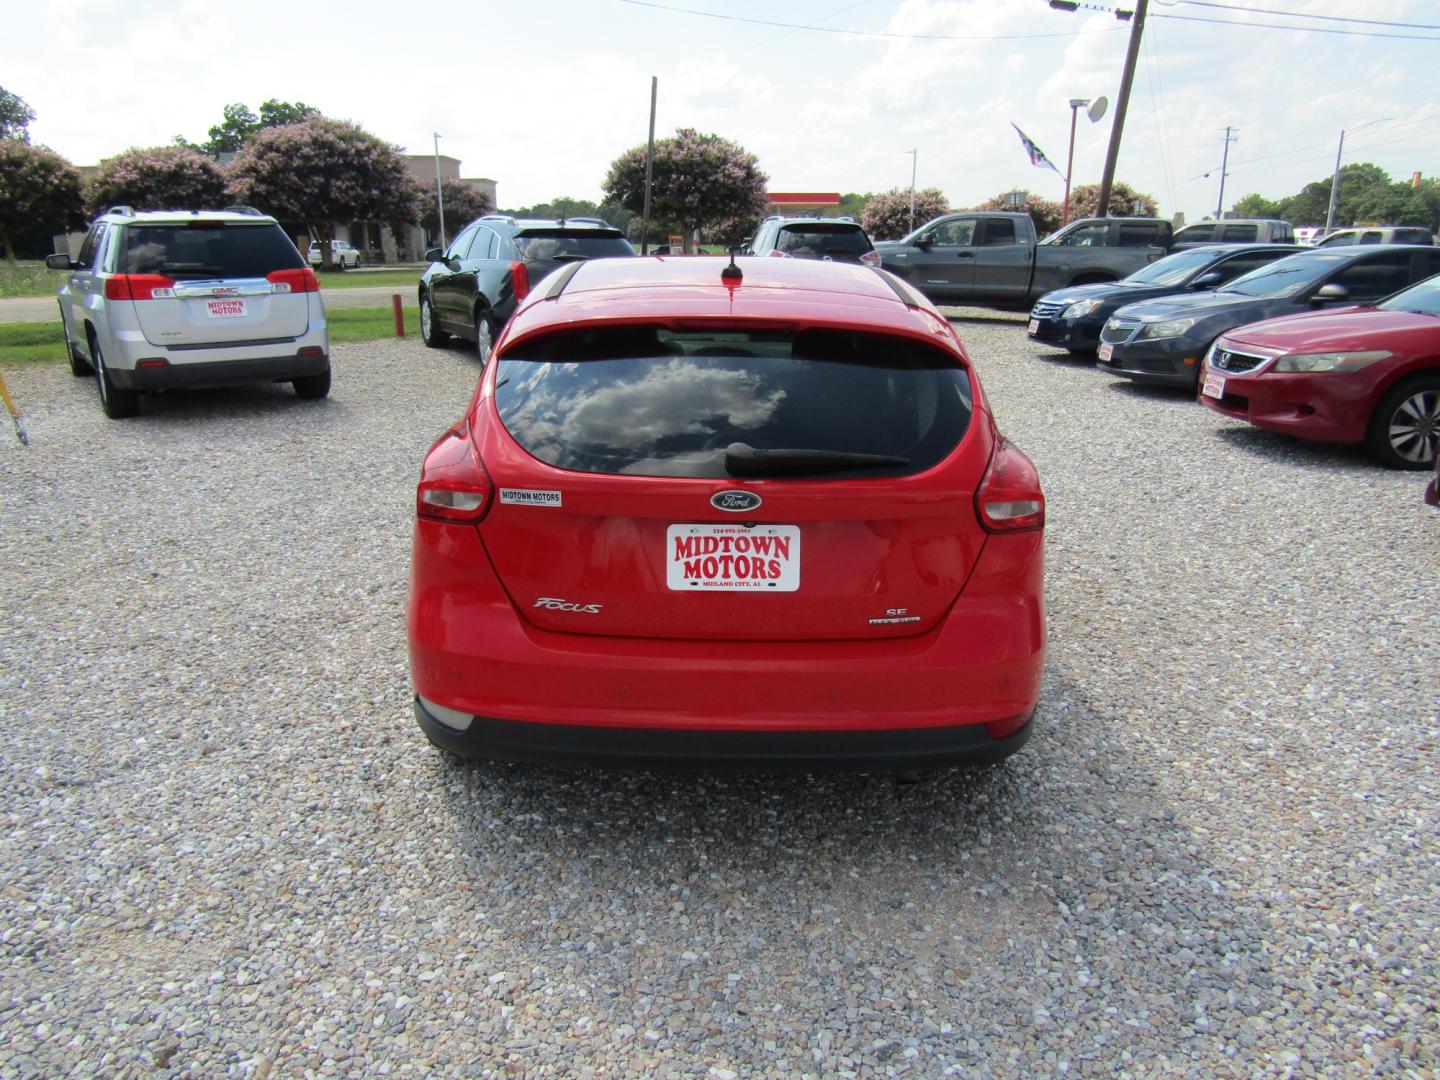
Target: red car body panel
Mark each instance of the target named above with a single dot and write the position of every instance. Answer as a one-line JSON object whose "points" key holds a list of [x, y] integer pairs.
{"points": [[1332, 406], [489, 636]]}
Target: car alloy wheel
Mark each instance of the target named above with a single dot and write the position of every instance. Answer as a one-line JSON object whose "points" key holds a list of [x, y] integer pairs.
{"points": [[117, 403], [79, 366], [1405, 431], [484, 335], [430, 332]]}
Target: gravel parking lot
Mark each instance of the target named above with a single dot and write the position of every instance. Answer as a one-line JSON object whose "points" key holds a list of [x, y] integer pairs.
{"points": [[228, 851]]}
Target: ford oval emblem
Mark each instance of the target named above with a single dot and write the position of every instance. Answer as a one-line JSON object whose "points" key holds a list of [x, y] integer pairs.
{"points": [[735, 501]]}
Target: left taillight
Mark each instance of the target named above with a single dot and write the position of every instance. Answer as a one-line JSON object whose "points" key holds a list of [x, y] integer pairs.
{"points": [[139, 287], [454, 485], [520, 275], [1009, 498], [300, 280]]}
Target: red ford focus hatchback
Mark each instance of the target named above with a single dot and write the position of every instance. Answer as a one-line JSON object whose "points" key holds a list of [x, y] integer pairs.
{"points": [[1353, 375], [709, 514]]}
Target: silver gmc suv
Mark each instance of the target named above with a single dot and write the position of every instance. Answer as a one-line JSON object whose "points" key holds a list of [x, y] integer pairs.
{"points": [[165, 299]]}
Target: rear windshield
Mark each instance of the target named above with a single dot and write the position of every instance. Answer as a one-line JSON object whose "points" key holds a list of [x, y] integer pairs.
{"points": [[655, 402], [539, 244], [206, 249], [817, 241]]}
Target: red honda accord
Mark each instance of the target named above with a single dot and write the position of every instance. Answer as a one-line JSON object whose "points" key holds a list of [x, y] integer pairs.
{"points": [[1351, 375], [750, 514]]}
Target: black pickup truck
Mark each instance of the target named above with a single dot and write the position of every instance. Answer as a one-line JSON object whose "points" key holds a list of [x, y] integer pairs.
{"points": [[994, 258]]}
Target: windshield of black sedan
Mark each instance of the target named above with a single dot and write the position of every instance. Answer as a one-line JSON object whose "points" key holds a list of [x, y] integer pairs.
{"points": [[1423, 299], [1286, 276], [1173, 269]]}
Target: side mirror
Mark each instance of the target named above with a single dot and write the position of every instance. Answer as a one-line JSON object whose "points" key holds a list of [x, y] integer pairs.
{"points": [[1330, 294], [434, 254], [1208, 280], [59, 262], [924, 243]]}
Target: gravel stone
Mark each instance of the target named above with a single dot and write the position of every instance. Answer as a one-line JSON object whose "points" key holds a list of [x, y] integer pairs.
{"points": [[229, 851]]}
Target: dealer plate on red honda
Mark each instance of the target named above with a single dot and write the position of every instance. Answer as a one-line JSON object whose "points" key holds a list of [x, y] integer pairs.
{"points": [[732, 558], [225, 309]]}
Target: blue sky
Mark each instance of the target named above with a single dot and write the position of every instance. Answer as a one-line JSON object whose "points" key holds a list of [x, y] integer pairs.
{"points": [[541, 96]]}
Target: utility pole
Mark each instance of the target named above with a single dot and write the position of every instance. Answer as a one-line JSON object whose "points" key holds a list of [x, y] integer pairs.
{"points": [[1137, 27], [649, 171], [439, 195], [1224, 162]]}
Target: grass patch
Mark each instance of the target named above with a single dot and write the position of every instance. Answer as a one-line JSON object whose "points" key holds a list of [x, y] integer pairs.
{"points": [[42, 342], [29, 279], [360, 279]]}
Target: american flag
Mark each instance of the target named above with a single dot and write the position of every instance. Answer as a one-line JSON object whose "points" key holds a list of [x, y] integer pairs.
{"points": [[1037, 156]]}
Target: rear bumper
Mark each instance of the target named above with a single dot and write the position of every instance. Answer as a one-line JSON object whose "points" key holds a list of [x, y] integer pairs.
{"points": [[961, 692], [219, 372], [578, 745]]}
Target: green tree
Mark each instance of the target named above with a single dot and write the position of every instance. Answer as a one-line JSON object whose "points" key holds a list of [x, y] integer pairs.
{"points": [[240, 124], [15, 116], [463, 204], [852, 204], [39, 195], [158, 178], [700, 182], [887, 216], [1085, 199], [1046, 213], [323, 173], [565, 206], [1257, 206]]}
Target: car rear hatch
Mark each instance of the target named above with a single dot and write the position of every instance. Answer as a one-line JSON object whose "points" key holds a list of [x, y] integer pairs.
{"points": [[544, 248], [705, 485], [206, 283], [833, 240]]}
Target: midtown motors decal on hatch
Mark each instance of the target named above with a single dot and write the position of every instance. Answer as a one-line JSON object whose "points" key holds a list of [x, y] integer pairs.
{"points": [[525, 497]]}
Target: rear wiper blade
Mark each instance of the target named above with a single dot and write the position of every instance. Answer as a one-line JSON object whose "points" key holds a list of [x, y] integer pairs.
{"points": [[743, 459], [569, 258]]}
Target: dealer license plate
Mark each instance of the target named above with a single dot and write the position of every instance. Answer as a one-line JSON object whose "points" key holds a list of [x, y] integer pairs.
{"points": [[732, 558], [1214, 386], [225, 309], [1034, 325], [1106, 351]]}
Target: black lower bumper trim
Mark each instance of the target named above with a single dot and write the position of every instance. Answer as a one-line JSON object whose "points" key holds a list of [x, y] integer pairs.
{"points": [[219, 373], [575, 745]]}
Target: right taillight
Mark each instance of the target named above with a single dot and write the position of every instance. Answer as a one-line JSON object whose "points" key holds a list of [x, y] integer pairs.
{"points": [[454, 485], [1009, 498], [520, 275], [870, 258]]}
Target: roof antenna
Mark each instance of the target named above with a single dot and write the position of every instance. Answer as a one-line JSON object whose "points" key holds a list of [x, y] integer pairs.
{"points": [[732, 272]]}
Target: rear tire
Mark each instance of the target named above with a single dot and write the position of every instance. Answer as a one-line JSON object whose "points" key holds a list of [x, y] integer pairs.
{"points": [[312, 387], [484, 334], [430, 331], [1404, 430], [118, 403]]}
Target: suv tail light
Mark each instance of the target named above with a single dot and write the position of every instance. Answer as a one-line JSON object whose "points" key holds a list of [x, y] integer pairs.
{"points": [[1009, 498], [139, 287], [301, 280], [776, 253], [520, 275], [871, 258], [454, 485]]}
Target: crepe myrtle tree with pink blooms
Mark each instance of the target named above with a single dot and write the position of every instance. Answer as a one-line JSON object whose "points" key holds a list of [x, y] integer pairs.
{"points": [[323, 171], [158, 178], [39, 196], [887, 215], [700, 183]]}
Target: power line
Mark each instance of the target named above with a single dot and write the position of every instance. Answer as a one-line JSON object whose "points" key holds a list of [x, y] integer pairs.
{"points": [[883, 34], [1276, 26], [1301, 14]]}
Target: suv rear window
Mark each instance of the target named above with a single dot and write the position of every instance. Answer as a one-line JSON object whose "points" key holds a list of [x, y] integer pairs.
{"points": [[536, 244], [201, 250], [821, 240], [655, 402]]}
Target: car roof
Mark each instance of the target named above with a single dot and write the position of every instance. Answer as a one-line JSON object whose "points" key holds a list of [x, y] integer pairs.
{"points": [[1228, 249], [662, 288], [243, 215]]}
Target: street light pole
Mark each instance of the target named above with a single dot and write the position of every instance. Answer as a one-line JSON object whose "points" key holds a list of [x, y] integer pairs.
{"points": [[1075, 103], [439, 194]]}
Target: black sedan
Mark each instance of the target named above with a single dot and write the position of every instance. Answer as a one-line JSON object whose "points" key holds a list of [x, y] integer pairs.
{"points": [[1071, 318], [1163, 341]]}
